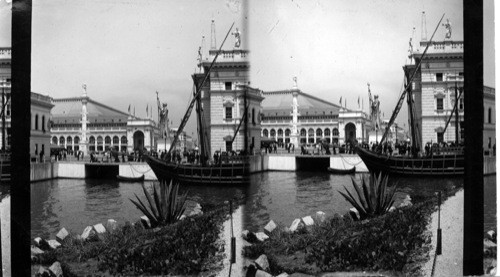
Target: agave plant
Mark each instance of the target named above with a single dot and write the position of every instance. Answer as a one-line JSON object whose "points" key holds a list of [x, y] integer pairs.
{"points": [[166, 206], [373, 199]]}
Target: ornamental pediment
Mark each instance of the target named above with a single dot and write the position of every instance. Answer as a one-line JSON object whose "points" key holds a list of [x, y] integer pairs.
{"points": [[439, 92], [228, 102]]}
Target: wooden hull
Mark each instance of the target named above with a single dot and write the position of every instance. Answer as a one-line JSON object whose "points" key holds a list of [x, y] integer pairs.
{"points": [[227, 173], [130, 179], [342, 171], [448, 164]]}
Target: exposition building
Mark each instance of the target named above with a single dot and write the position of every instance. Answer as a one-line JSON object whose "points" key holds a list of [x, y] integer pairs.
{"points": [[293, 116], [437, 86], [81, 123]]}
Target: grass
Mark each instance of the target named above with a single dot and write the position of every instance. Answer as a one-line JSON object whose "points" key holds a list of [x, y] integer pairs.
{"points": [[189, 246]]}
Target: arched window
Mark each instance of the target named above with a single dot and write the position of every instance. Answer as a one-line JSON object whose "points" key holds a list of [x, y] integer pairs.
{"points": [[124, 140], [61, 141], [99, 140], [92, 140], [335, 132], [287, 132], [54, 140], [489, 115], [310, 132], [303, 132], [273, 133], [107, 140], [116, 140], [280, 132], [265, 133], [77, 140], [36, 122], [253, 116], [327, 132], [69, 140], [319, 132], [43, 123]]}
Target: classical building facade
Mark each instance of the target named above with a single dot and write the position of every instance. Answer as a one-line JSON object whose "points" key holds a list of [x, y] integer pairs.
{"points": [[5, 86], [81, 123], [437, 86], [223, 100], [41, 106], [292, 116]]}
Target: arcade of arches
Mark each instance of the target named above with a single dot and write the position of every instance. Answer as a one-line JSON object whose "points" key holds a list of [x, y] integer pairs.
{"points": [[309, 135], [95, 142]]}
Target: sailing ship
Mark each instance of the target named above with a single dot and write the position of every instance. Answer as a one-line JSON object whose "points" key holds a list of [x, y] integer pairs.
{"points": [[224, 169], [440, 161]]}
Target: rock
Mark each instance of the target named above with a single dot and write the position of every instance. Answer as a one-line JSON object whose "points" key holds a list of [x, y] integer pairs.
{"points": [[492, 236], [53, 243], [354, 214], [320, 216], [261, 236], [99, 228], [62, 234], [284, 274], [406, 202], [308, 221], [392, 209], [286, 230], [262, 262], [41, 243], [296, 224], [270, 226], [35, 250], [244, 234], [88, 233], [182, 217], [43, 272], [261, 273], [145, 222], [56, 269], [490, 248], [111, 225], [298, 274]]}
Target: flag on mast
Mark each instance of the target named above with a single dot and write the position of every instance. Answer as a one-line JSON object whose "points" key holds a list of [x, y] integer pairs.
{"points": [[129, 108], [341, 101], [147, 111]]}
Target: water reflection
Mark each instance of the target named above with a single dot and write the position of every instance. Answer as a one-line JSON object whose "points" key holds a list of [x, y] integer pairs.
{"points": [[75, 204]]}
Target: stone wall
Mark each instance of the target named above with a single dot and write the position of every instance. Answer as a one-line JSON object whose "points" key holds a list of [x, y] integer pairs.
{"points": [[136, 170], [43, 171]]}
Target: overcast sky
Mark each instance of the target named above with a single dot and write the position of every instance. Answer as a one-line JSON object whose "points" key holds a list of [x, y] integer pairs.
{"points": [[126, 50]]}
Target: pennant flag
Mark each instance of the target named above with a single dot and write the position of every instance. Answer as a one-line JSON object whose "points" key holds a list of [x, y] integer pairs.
{"points": [[129, 108], [340, 100], [147, 112], [358, 100], [134, 110]]}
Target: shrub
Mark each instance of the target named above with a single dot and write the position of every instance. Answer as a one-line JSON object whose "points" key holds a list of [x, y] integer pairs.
{"points": [[167, 206], [372, 200]]}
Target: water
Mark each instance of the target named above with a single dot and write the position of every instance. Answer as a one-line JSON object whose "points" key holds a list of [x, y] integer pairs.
{"points": [[280, 196], [75, 204]]}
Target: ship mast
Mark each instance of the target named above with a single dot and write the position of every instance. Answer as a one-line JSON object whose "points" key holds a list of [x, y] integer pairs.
{"points": [[196, 95], [407, 90]]}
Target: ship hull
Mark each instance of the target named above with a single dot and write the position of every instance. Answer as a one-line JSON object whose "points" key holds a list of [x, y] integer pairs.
{"points": [[230, 172], [445, 164], [342, 171]]}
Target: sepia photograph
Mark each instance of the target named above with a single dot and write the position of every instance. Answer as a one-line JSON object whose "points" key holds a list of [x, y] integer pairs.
{"points": [[248, 138]]}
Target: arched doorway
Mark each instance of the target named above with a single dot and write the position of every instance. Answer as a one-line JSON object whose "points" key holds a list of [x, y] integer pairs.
{"points": [[138, 140], [350, 132]]}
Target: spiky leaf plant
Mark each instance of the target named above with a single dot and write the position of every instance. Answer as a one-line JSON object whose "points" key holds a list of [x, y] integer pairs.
{"points": [[373, 199], [166, 206]]}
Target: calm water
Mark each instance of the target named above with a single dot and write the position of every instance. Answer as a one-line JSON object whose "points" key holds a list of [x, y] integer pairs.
{"points": [[75, 204], [281, 196]]}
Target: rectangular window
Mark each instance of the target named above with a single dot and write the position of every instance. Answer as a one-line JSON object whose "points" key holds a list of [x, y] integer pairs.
{"points": [[229, 146], [439, 104], [439, 77], [229, 112], [461, 74], [461, 104], [440, 137], [228, 85]]}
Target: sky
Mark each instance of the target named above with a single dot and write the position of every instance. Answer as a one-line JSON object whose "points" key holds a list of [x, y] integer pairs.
{"points": [[125, 51]]}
